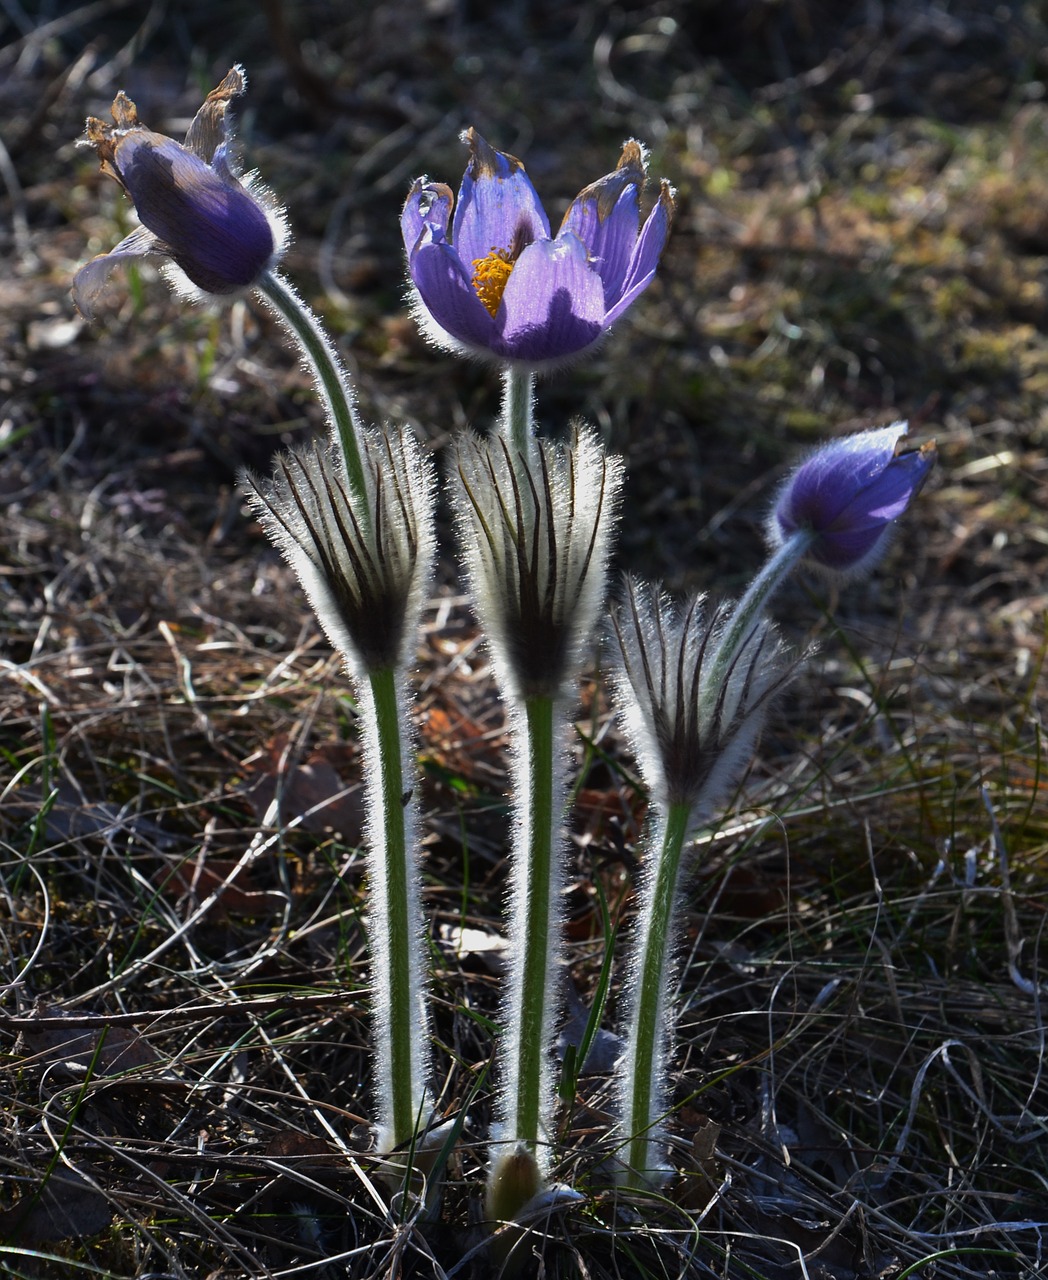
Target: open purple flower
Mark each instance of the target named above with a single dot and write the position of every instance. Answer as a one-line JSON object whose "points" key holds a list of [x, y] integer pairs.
{"points": [[499, 285], [847, 495], [216, 233]]}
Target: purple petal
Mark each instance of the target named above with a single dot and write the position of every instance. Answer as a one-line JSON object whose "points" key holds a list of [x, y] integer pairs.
{"points": [[888, 495], [222, 165], [214, 230], [445, 289], [851, 550], [92, 276], [866, 453], [497, 207], [606, 216], [553, 305], [836, 476], [646, 253], [428, 205]]}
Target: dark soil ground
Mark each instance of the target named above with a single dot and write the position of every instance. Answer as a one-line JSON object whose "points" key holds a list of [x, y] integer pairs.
{"points": [[861, 236]]}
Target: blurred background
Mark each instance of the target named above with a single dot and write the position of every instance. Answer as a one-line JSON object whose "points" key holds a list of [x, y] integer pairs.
{"points": [[860, 237]]}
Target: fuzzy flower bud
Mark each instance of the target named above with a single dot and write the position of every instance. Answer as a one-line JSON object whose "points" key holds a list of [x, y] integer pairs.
{"points": [[847, 495], [694, 692], [363, 556], [537, 537]]}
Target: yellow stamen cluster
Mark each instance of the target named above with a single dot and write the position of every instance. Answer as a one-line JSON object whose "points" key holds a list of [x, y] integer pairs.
{"points": [[490, 276]]}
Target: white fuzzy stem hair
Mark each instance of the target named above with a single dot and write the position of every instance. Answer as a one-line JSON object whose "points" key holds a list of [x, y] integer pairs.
{"points": [[364, 560], [693, 711], [536, 530]]}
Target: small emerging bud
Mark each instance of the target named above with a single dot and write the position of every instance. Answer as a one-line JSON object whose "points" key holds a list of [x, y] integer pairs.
{"points": [[847, 495], [514, 1181]]}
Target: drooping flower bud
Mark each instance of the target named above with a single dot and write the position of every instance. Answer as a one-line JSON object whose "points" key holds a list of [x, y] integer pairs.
{"points": [[846, 497], [217, 233]]}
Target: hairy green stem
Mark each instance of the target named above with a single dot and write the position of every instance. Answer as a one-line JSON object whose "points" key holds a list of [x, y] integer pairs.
{"points": [[329, 375], [537, 977], [517, 420], [400, 1019], [746, 614], [643, 1072], [526, 1097]]}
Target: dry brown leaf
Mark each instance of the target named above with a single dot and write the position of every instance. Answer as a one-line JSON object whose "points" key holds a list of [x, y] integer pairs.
{"points": [[66, 1206], [313, 792], [196, 879], [111, 1050]]}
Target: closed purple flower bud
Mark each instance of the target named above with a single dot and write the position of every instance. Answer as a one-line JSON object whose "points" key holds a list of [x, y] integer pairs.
{"points": [[213, 229], [493, 281], [218, 234], [847, 496]]}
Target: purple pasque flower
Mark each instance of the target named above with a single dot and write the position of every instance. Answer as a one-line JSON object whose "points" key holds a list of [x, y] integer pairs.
{"points": [[847, 495], [496, 283], [216, 233]]}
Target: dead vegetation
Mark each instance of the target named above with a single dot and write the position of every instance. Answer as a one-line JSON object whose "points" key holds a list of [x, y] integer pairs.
{"points": [[861, 236]]}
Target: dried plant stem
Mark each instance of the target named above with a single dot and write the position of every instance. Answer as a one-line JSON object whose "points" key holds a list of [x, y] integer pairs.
{"points": [[517, 420], [643, 1074], [526, 1096], [330, 377], [401, 1041]]}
